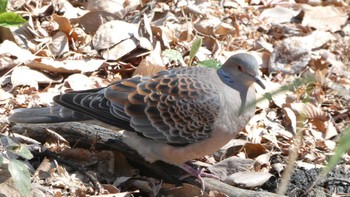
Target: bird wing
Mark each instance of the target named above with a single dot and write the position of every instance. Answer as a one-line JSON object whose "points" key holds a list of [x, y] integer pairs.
{"points": [[177, 106]]}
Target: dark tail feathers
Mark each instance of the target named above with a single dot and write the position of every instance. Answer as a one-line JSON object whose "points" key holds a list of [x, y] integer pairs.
{"points": [[52, 114]]}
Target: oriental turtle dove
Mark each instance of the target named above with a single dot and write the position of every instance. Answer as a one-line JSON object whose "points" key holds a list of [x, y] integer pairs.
{"points": [[175, 115]]}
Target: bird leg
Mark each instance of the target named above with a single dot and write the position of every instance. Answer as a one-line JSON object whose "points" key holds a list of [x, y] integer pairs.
{"points": [[196, 173]]}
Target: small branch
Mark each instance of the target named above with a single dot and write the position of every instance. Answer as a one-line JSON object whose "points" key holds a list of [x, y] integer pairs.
{"points": [[231, 191], [84, 135]]}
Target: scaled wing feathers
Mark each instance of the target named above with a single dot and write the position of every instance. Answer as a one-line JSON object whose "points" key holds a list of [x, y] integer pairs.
{"points": [[177, 107]]}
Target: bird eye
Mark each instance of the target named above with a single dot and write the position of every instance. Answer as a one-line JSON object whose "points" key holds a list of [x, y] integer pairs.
{"points": [[240, 68]]}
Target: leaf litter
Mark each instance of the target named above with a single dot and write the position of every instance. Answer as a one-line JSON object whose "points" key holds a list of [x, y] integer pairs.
{"points": [[76, 45]]}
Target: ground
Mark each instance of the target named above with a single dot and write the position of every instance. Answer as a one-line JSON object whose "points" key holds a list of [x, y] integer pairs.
{"points": [[301, 117]]}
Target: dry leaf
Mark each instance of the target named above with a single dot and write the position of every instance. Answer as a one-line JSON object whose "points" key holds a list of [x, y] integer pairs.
{"points": [[111, 189], [289, 41], [185, 190], [79, 82], [91, 21], [59, 44], [262, 160], [115, 42], [291, 119], [279, 14], [144, 185], [122, 48], [309, 110], [70, 11], [111, 34], [331, 130], [120, 164], [229, 149], [293, 54], [151, 64], [145, 29], [254, 150], [216, 194], [231, 165], [24, 76], [308, 166], [65, 26], [325, 18], [66, 66], [116, 7], [59, 177], [43, 171], [4, 96], [83, 156], [11, 54], [214, 27], [120, 180], [326, 145], [248, 179]]}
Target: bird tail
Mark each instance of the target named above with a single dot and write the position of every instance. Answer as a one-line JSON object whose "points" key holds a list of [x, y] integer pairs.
{"points": [[52, 114]]}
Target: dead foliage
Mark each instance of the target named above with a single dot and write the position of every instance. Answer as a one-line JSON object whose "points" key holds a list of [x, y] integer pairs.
{"points": [[76, 45]]}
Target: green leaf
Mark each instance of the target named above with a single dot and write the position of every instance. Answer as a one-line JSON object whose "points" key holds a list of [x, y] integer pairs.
{"points": [[7, 142], [194, 49], [20, 176], [23, 151], [342, 147], [210, 64], [11, 19], [3, 6], [1, 160], [173, 55]]}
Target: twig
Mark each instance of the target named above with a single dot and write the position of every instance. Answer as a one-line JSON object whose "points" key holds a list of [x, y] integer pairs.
{"points": [[84, 135]]}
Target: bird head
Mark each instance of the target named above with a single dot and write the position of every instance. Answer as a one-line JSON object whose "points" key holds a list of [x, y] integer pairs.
{"points": [[241, 68]]}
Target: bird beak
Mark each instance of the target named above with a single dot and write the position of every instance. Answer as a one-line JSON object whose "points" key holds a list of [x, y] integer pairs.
{"points": [[258, 81]]}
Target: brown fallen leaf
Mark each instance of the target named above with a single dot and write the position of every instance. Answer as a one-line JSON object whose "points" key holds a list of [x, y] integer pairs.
{"points": [[144, 185], [43, 171], [4, 96], [152, 64], [91, 21], [60, 178], [83, 156], [66, 66], [325, 18], [185, 190], [309, 110], [65, 26], [254, 150], [293, 54], [11, 54], [119, 50], [119, 8], [231, 165], [79, 82], [24, 76], [115, 42], [214, 27], [248, 179], [279, 14], [217, 194], [59, 44], [110, 34], [111, 189]]}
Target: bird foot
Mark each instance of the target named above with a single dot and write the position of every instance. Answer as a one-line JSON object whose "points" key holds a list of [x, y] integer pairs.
{"points": [[196, 173]]}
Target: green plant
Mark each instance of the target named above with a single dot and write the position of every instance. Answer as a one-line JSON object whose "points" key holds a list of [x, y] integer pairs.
{"points": [[177, 56], [8, 19], [13, 153]]}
